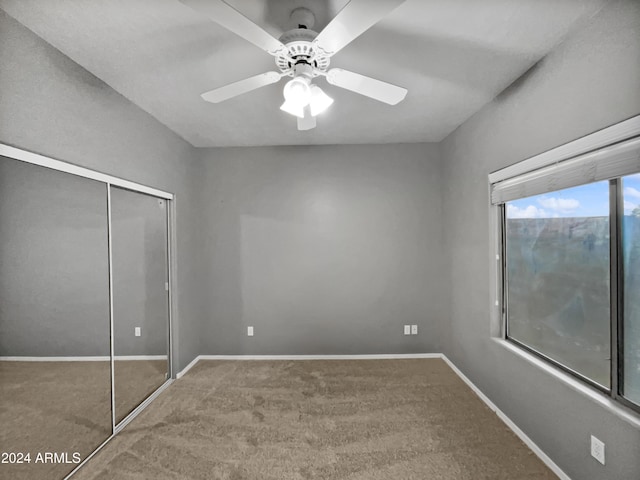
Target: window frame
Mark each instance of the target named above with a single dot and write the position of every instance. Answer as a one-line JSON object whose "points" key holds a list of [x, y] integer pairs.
{"points": [[625, 130], [616, 299], [618, 323], [505, 309]]}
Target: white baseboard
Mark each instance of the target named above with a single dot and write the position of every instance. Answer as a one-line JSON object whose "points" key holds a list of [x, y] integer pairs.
{"points": [[82, 359], [306, 357], [56, 359], [501, 415], [379, 356], [188, 367], [141, 357]]}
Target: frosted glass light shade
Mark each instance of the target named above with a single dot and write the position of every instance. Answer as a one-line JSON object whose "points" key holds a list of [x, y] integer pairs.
{"points": [[297, 91], [320, 101], [293, 108]]}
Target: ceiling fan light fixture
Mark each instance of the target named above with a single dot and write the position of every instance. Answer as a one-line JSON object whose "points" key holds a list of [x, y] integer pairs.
{"points": [[304, 55], [319, 101], [297, 92], [293, 108]]}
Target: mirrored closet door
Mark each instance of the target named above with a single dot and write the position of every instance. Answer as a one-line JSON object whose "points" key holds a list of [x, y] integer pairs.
{"points": [[55, 378], [140, 297], [85, 302]]}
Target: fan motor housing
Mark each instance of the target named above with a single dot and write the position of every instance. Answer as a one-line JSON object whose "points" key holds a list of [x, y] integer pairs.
{"points": [[301, 49]]}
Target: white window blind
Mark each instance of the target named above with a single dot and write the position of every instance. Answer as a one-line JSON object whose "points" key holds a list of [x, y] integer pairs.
{"points": [[604, 164]]}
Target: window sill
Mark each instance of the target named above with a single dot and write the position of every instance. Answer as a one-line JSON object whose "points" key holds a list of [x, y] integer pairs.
{"points": [[601, 399]]}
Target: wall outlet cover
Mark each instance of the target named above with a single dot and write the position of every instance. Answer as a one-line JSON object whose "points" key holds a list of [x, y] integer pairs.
{"points": [[407, 329], [250, 331], [414, 329], [137, 331], [597, 449]]}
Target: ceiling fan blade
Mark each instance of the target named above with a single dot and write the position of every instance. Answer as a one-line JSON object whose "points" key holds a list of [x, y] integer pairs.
{"points": [[225, 15], [308, 121], [353, 20], [243, 86], [369, 87]]}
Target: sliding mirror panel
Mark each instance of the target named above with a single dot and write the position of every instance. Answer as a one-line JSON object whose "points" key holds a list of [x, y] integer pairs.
{"points": [[140, 297], [55, 378]]}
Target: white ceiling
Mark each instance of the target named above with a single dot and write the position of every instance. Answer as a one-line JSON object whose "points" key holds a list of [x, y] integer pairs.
{"points": [[453, 56]]}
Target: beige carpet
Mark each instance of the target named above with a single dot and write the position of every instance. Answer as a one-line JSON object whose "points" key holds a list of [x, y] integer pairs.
{"points": [[135, 380], [355, 420], [65, 407]]}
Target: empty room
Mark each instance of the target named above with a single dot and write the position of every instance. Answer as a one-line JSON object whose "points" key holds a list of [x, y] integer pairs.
{"points": [[320, 239]]}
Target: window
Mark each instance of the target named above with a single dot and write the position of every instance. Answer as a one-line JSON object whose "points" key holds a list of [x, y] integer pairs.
{"points": [[570, 242], [631, 292], [557, 270]]}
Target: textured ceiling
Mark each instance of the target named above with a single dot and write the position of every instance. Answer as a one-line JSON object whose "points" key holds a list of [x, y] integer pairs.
{"points": [[453, 56]]}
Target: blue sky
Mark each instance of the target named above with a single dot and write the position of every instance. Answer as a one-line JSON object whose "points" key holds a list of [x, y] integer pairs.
{"points": [[584, 201]]}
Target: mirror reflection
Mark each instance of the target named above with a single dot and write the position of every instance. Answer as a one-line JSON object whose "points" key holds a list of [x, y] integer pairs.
{"points": [[55, 378], [140, 297]]}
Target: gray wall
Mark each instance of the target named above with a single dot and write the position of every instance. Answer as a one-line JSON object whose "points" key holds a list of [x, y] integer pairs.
{"points": [[139, 253], [588, 83], [50, 105], [324, 250], [54, 287]]}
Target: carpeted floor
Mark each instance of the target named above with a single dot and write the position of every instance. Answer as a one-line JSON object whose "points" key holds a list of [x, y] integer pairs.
{"points": [[135, 380], [65, 407], [351, 420]]}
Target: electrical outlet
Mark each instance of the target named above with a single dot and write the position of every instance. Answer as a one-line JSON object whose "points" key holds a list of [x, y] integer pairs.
{"points": [[137, 331], [407, 329], [250, 331], [597, 449], [414, 329]]}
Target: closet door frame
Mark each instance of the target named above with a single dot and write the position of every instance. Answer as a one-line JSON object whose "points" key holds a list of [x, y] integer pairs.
{"points": [[109, 181], [118, 426]]}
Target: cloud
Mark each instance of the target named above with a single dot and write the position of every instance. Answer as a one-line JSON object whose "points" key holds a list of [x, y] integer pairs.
{"points": [[631, 192], [629, 207], [563, 205], [531, 211]]}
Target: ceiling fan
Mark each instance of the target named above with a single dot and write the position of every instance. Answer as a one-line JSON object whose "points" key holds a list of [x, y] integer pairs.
{"points": [[304, 55]]}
